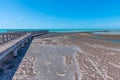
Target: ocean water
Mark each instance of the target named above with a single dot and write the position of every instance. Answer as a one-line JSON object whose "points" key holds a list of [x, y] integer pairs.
{"points": [[109, 32], [3, 30], [52, 30], [95, 31], [73, 30]]}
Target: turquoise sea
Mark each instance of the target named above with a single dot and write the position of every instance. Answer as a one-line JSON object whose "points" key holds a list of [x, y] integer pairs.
{"points": [[97, 31]]}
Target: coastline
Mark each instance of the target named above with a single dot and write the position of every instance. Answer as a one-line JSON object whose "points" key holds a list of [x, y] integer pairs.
{"points": [[62, 30]]}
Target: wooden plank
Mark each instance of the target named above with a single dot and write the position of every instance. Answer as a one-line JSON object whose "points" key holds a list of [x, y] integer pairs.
{"points": [[10, 46]]}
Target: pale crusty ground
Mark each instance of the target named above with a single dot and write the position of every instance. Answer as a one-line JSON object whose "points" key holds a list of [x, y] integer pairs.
{"points": [[73, 56]]}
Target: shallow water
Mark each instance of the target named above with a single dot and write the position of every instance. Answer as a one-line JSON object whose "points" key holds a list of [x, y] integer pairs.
{"points": [[109, 32], [60, 30], [106, 39]]}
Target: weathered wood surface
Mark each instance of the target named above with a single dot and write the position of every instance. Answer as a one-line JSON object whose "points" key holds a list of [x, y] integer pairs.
{"points": [[38, 33], [11, 45], [4, 37], [17, 36]]}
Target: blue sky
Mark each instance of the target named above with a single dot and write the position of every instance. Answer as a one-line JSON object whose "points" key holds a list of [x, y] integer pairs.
{"points": [[60, 14]]}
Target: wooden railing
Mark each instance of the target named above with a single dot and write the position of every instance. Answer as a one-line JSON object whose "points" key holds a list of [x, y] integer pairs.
{"points": [[4, 37], [38, 33]]}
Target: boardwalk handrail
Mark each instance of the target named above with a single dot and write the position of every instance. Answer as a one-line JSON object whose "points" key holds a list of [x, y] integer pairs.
{"points": [[38, 33], [4, 37], [13, 46]]}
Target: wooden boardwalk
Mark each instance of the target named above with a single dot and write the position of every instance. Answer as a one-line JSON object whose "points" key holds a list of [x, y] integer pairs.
{"points": [[12, 45], [4, 37], [11, 42]]}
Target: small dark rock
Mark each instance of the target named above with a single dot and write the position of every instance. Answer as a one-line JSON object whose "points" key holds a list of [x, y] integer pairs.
{"points": [[15, 56], [8, 62], [1, 72], [10, 66]]}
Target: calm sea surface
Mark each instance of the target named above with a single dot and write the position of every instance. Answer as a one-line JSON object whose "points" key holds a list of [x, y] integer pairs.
{"points": [[96, 31]]}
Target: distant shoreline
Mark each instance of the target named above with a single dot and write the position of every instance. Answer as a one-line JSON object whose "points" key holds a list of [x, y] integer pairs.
{"points": [[92, 31]]}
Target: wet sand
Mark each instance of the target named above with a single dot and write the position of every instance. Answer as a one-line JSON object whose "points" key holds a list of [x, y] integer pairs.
{"points": [[71, 56]]}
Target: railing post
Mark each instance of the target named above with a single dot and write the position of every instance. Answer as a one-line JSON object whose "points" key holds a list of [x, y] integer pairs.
{"points": [[3, 37], [10, 35], [7, 37]]}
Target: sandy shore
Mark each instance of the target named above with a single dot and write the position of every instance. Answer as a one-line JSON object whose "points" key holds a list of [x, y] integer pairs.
{"points": [[71, 56]]}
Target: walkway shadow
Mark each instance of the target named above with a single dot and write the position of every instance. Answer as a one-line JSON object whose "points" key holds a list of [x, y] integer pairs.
{"points": [[10, 64]]}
